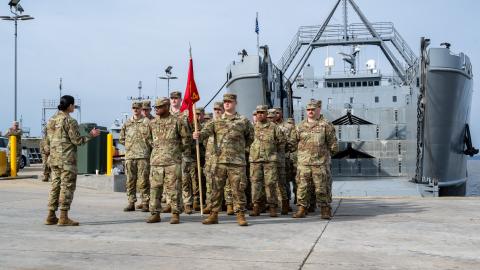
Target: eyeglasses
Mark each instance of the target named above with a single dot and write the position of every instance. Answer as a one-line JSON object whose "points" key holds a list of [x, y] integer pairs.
{"points": [[310, 110]]}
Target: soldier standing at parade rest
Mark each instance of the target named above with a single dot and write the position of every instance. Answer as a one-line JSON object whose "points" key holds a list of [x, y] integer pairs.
{"points": [[16, 131], [63, 137], [200, 111], [263, 162], [169, 137], [147, 113], [210, 157], [45, 153], [281, 187], [233, 134], [316, 143], [286, 173], [134, 135]]}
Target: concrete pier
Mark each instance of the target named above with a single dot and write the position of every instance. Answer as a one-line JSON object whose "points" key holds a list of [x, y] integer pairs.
{"points": [[366, 233]]}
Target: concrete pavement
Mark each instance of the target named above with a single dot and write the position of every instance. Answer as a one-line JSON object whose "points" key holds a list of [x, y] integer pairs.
{"points": [[366, 233]]}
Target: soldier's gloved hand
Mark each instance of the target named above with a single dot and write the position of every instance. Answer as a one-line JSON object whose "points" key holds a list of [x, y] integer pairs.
{"points": [[94, 132], [196, 135]]}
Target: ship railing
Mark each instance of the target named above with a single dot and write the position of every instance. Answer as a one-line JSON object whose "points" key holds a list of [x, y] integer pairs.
{"points": [[336, 32]]}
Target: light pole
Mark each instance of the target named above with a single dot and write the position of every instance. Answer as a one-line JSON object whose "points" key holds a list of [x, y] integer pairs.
{"points": [[17, 10], [168, 76]]}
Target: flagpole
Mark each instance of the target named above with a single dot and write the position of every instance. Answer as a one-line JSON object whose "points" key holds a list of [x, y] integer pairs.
{"points": [[197, 147], [258, 36]]}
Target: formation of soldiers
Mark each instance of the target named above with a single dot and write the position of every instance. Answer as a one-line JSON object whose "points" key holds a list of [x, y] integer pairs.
{"points": [[245, 165]]}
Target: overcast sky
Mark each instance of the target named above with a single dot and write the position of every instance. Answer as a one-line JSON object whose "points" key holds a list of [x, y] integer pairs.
{"points": [[103, 48]]}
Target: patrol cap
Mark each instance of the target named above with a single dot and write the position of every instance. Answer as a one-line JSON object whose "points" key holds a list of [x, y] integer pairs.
{"points": [[199, 110], [136, 105], [175, 94], [146, 104], [218, 105], [229, 97], [272, 113], [208, 116], [162, 101], [313, 104], [278, 109], [261, 108]]}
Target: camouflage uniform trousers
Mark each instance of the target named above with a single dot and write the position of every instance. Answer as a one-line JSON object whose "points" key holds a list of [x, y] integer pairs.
{"points": [[236, 176], [207, 170], [317, 176], [137, 173], [281, 183], [264, 177], [46, 167], [290, 177], [168, 178], [64, 181], [188, 176]]}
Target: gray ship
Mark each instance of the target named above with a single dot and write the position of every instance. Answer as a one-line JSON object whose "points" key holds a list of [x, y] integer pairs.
{"points": [[410, 124]]}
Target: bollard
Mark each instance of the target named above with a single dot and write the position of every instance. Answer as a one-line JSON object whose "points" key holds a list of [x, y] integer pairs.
{"points": [[13, 156], [109, 153]]}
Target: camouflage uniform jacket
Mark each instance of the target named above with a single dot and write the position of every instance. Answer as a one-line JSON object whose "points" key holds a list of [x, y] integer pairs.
{"points": [[18, 134], [233, 135], [268, 141], [43, 143], [316, 142], [209, 143], [169, 138], [289, 134], [63, 137], [134, 135]]}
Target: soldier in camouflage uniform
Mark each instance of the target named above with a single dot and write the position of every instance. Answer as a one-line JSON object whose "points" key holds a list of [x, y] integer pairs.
{"points": [[233, 134], [263, 159], [16, 131], [289, 133], [62, 140], [210, 158], [188, 167], [292, 162], [147, 109], [44, 151], [169, 137], [281, 190], [134, 135], [316, 143], [200, 111]]}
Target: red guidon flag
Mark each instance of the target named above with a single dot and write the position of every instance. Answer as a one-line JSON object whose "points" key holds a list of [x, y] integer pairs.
{"points": [[191, 93]]}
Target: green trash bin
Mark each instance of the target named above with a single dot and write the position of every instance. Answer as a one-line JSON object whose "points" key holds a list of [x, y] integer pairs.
{"points": [[92, 156]]}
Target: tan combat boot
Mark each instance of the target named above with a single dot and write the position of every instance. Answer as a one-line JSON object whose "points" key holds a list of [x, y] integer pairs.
{"points": [[130, 207], [241, 219], [145, 207], [326, 212], [207, 209], [256, 210], [273, 211], [211, 219], [65, 221], [230, 209], [51, 218], [196, 206], [175, 218], [154, 218], [300, 212], [139, 206], [188, 209], [167, 209], [284, 207]]}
